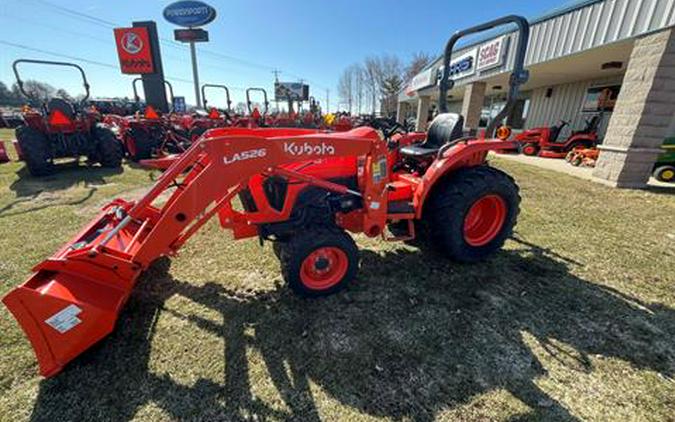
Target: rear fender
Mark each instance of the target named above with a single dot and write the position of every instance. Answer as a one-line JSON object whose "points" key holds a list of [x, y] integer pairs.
{"points": [[463, 155]]}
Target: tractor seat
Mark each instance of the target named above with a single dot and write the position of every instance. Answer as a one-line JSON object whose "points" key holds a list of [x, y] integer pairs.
{"points": [[444, 128], [62, 105]]}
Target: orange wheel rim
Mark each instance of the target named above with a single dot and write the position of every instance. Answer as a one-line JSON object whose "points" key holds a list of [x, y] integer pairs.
{"points": [[324, 268], [485, 220]]}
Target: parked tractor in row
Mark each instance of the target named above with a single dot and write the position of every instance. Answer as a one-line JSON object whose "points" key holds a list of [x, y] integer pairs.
{"points": [[58, 128], [546, 142]]}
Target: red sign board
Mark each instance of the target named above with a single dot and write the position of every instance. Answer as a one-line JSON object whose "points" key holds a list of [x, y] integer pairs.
{"points": [[133, 49]]}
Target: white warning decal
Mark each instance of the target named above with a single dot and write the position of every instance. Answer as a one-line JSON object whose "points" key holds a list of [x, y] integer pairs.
{"points": [[65, 319]]}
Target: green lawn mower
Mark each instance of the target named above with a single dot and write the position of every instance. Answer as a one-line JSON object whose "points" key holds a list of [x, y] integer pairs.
{"points": [[664, 168]]}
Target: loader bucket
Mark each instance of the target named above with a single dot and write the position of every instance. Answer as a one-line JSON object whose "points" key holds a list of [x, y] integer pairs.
{"points": [[69, 303], [63, 315]]}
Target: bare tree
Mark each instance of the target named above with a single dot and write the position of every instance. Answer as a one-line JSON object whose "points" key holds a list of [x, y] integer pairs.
{"points": [[359, 87], [240, 108], [37, 91], [372, 70], [387, 71], [417, 64], [345, 87]]}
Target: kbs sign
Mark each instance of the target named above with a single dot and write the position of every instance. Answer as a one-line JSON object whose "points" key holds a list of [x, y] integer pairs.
{"points": [[133, 50], [491, 54]]}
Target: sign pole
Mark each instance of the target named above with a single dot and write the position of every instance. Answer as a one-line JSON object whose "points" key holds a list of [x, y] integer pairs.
{"points": [[191, 14], [195, 73]]}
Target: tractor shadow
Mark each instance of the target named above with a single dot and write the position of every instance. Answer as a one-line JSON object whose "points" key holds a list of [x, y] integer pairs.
{"points": [[44, 192], [414, 336]]}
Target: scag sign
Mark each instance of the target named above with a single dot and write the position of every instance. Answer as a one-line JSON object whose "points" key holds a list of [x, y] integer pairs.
{"points": [[134, 51], [189, 13], [491, 54]]}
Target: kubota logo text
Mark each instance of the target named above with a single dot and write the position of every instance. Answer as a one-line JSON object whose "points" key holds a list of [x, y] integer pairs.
{"points": [[308, 149], [245, 155]]}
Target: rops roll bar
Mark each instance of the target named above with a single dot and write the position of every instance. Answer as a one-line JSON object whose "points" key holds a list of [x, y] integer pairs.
{"points": [[227, 93], [137, 99], [518, 76], [19, 82], [249, 103]]}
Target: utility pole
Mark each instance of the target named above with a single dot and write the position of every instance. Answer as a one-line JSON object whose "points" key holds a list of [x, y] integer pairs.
{"points": [[276, 72], [327, 100], [302, 82]]}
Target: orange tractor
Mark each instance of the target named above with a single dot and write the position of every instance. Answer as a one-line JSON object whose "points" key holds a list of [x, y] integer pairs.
{"points": [[300, 189]]}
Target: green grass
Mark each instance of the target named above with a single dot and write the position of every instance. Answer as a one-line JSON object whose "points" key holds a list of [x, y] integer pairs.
{"points": [[575, 319]]}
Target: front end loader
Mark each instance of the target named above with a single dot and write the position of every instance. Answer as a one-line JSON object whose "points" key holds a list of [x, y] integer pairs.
{"points": [[302, 190]]}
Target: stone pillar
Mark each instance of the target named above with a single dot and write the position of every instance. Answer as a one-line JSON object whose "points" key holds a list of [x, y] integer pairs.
{"points": [[472, 105], [423, 104], [642, 115]]}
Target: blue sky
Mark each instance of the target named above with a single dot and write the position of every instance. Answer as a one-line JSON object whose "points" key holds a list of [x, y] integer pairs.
{"points": [[313, 40]]}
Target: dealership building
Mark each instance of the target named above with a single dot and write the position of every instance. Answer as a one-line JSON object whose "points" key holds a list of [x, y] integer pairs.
{"points": [[590, 57]]}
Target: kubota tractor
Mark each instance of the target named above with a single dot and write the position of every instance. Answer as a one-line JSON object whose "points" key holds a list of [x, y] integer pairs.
{"points": [[544, 141], [301, 189], [61, 129], [150, 133], [202, 120]]}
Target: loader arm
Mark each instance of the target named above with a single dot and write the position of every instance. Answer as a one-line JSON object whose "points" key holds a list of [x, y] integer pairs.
{"points": [[72, 299]]}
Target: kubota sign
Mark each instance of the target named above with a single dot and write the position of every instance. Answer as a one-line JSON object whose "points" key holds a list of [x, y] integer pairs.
{"points": [[189, 13], [133, 50]]}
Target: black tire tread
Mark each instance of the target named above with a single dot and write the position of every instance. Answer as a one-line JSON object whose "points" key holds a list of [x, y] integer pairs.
{"points": [[143, 143], [448, 206], [36, 151], [109, 148], [300, 245], [660, 169]]}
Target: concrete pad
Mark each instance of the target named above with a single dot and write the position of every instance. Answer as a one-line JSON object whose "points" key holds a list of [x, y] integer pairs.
{"points": [[562, 166]]}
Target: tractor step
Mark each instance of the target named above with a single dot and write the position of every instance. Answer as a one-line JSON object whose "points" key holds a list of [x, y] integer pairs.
{"points": [[400, 207]]}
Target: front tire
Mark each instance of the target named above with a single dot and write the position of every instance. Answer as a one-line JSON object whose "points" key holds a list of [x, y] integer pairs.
{"points": [[473, 213], [35, 150], [143, 144], [665, 174], [319, 262]]}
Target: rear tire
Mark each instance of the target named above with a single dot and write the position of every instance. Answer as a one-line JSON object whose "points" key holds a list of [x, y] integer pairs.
{"points": [[319, 262], [665, 174], [109, 148], [473, 213], [196, 133], [143, 144], [35, 151], [529, 149]]}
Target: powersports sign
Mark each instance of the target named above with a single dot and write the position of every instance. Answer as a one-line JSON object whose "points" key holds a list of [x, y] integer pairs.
{"points": [[134, 51], [189, 14]]}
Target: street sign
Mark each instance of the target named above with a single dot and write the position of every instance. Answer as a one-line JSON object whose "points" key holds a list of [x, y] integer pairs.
{"points": [[179, 105], [189, 13], [134, 51], [191, 35]]}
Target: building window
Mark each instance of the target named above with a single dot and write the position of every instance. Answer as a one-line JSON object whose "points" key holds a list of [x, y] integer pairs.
{"points": [[601, 98]]}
